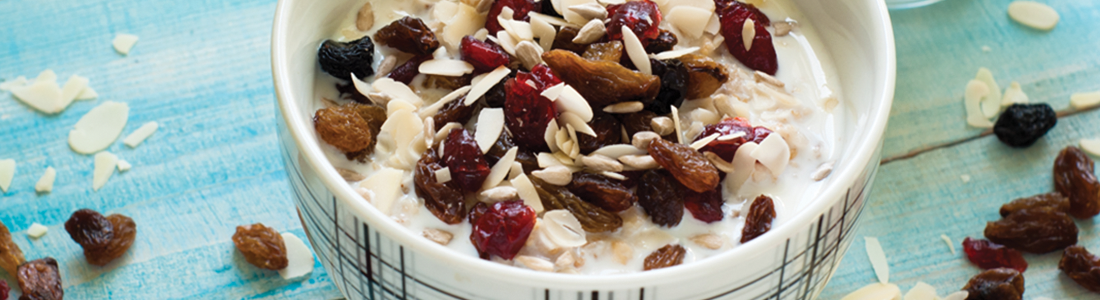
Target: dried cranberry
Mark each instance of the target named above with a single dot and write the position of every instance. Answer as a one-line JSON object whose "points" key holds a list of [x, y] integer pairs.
{"points": [[705, 206], [642, 17], [520, 8], [722, 5], [407, 71], [503, 229], [996, 284], [988, 255], [761, 56], [1082, 267], [674, 83], [526, 112], [462, 155], [342, 59], [727, 148], [484, 56], [1023, 124]]}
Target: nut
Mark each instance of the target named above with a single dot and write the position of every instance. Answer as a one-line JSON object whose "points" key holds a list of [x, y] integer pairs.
{"points": [[590, 33], [590, 11], [643, 138], [765, 78], [365, 20], [386, 66], [350, 175], [439, 236], [694, 130], [498, 194], [529, 54], [556, 175], [640, 162], [622, 251], [535, 263], [709, 241], [662, 125], [823, 171], [624, 107], [718, 162], [783, 28], [565, 261], [601, 163]]}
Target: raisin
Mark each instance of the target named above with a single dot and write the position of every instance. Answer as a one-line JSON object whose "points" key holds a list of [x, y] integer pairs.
{"points": [[503, 229], [444, 201], [496, 97], [642, 17], [608, 132], [447, 82], [1034, 231], [10, 255], [685, 164], [103, 238], [592, 217], [408, 70], [609, 51], [639, 121], [343, 127], [706, 206], [988, 255], [408, 34], [455, 111], [996, 284], [520, 9], [484, 56], [667, 256], [375, 117], [1054, 201], [40, 280], [660, 199], [759, 220], [462, 155], [1022, 124], [261, 246], [564, 40], [728, 126], [4, 289], [705, 75], [761, 56], [602, 82], [674, 83], [342, 59], [608, 194], [664, 41], [526, 111], [1082, 267], [1073, 178], [525, 158]]}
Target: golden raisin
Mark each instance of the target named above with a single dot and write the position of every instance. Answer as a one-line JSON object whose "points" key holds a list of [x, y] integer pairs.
{"points": [[10, 255], [610, 51], [688, 166], [564, 40], [1054, 200], [343, 127], [705, 75], [261, 246], [1073, 177], [667, 256], [602, 82]]}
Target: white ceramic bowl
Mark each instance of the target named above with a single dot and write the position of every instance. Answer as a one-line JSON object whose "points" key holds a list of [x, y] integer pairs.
{"points": [[369, 256]]}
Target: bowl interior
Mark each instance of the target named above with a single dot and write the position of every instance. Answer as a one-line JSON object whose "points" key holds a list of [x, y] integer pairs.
{"points": [[857, 35]]}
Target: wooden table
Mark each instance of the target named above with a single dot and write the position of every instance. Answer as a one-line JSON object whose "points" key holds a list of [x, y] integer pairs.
{"points": [[201, 69]]}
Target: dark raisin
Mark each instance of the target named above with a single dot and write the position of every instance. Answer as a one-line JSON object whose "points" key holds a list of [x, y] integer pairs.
{"points": [[996, 284], [639, 121], [706, 206], [1073, 177], [408, 70], [462, 155], [348, 91], [667, 256], [592, 217], [455, 111], [705, 75], [261, 246], [548, 9], [608, 132], [1022, 124], [608, 51], [40, 280], [485, 56], [604, 192], [759, 219], [728, 126], [447, 82], [10, 255], [103, 238], [602, 82], [4, 289], [660, 198], [988, 255], [761, 55], [408, 34], [642, 17], [444, 201], [688, 166], [344, 128], [1034, 231], [664, 41], [564, 40], [1082, 267], [342, 59], [503, 229], [520, 9], [1054, 201], [526, 111], [496, 96], [674, 84]]}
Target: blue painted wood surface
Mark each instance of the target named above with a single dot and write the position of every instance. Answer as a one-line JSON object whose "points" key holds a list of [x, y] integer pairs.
{"points": [[202, 70]]}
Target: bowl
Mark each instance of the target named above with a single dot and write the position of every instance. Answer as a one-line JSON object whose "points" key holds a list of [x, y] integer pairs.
{"points": [[369, 256]]}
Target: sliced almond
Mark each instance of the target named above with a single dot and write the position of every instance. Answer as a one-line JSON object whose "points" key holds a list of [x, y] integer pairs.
{"points": [[571, 101], [1014, 94], [991, 103], [875, 291], [710, 241], [507, 42], [557, 175], [549, 19], [535, 263], [589, 11], [446, 67], [731, 136], [443, 175], [563, 229], [718, 162], [553, 92], [600, 163], [1033, 14], [703, 142], [590, 33], [386, 66], [676, 125], [500, 169], [396, 90], [674, 54], [636, 51], [1091, 146], [521, 30], [822, 171], [466, 21], [529, 54], [105, 163], [762, 77], [624, 107], [527, 192], [550, 136], [643, 138], [748, 33], [498, 194], [975, 92], [490, 123], [742, 160], [486, 83], [99, 127], [364, 20], [662, 125], [441, 135], [439, 236], [714, 26], [1082, 101], [578, 123], [7, 172], [773, 153], [687, 20], [617, 150], [349, 175], [622, 252], [639, 162]]}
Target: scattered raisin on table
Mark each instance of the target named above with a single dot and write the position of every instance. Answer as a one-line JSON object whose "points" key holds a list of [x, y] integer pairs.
{"points": [[611, 195], [10, 255], [1082, 267], [706, 206], [40, 280], [261, 246], [342, 59], [1073, 178], [761, 55], [608, 132], [988, 255], [1054, 201], [667, 256], [1022, 124], [705, 75], [485, 56], [660, 198], [344, 128], [1034, 231], [664, 41], [103, 238], [642, 17], [464, 159], [759, 220], [996, 284], [602, 82], [592, 217], [685, 164], [444, 201], [608, 51], [503, 229], [408, 34], [674, 85]]}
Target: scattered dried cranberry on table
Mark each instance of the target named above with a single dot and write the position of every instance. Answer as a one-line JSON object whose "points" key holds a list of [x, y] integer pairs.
{"points": [[988, 255]]}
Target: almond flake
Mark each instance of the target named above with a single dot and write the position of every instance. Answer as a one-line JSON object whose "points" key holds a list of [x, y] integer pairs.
{"points": [[72, 89], [446, 67], [364, 19], [135, 138], [1082, 101], [577, 122], [731, 136], [571, 101], [589, 11], [636, 51], [7, 172], [124, 166], [822, 171], [535, 263], [360, 86], [704, 141], [613, 175], [529, 54], [622, 252], [563, 229], [556, 174], [624, 107], [544, 32], [991, 103], [674, 54], [466, 21], [950, 244], [975, 91], [875, 291], [443, 175], [766, 78], [486, 83], [498, 194], [878, 259], [439, 236], [548, 19], [962, 295], [639, 162], [45, 183], [601, 163], [490, 123], [773, 153], [550, 135], [676, 124], [507, 42], [396, 90], [349, 175], [299, 257], [742, 160], [105, 163], [618, 150], [99, 128], [687, 20], [123, 43], [37, 230], [1033, 14], [662, 125], [710, 241], [481, 34], [748, 33], [590, 33], [527, 192], [1091, 146], [921, 291], [783, 28], [500, 169], [434, 108], [714, 25], [521, 30], [1014, 94], [385, 186], [43, 94], [718, 162]]}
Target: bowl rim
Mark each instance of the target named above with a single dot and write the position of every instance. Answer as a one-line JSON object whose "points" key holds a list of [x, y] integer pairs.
{"points": [[311, 152]]}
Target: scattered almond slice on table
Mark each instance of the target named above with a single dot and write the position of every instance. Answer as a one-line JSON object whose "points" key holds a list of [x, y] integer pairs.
{"points": [[1014, 94], [972, 97], [1084, 100], [1091, 146], [45, 183], [299, 258], [878, 259], [875, 291], [123, 43], [7, 172], [99, 128], [37, 230], [135, 138], [123, 166], [105, 164], [991, 102], [1033, 14]]}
